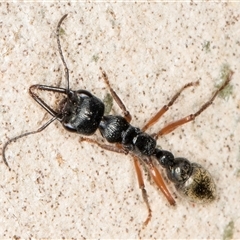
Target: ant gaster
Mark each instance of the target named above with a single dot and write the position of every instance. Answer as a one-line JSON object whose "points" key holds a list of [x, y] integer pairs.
{"points": [[83, 113]]}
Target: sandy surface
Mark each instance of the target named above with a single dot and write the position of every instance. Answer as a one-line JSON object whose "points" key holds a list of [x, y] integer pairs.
{"points": [[59, 187]]}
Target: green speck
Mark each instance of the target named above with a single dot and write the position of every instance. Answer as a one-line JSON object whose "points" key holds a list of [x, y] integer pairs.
{"points": [[225, 73], [108, 102], [61, 32], [113, 23], [206, 46], [238, 173], [228, 231], [238, 156], [95, 58]]}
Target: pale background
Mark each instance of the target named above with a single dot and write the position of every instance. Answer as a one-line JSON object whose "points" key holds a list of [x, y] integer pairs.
{"points": [[149, 51]]}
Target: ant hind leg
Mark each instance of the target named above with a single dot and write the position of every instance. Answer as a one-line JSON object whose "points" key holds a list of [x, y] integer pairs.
{"points": [[172, 126], [165, 108]]}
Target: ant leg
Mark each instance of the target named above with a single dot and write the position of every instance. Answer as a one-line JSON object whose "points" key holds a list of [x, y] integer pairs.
{"points": [[159, 180], [40, 101], [23, 135], [170, 127], [154, 172], [112, 148], [142, 187], [118, 149], [126, 113], [164, 109]]}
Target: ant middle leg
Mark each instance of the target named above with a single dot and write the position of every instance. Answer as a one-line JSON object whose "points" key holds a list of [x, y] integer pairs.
{"points": [[165, 108], [113, 148], [117, 99], [154, 172], [172, 126]]}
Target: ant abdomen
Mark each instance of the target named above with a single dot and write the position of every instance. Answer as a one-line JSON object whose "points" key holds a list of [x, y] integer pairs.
{"points": [[199, 187], [191, 180]]}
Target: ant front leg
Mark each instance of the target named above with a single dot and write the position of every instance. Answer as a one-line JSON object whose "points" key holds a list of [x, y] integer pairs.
{"points": [[117, 99]]}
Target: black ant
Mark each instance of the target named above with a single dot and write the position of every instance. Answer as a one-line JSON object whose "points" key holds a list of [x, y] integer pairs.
{"points": [[81, 112]]}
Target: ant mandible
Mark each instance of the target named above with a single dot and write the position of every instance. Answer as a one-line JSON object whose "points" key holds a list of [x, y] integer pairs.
{"points": [[83, 113]]}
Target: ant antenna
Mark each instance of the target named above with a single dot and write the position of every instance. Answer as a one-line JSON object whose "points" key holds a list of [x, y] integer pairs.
{"points": [[23, 135], [55, 117], [61, 53]]}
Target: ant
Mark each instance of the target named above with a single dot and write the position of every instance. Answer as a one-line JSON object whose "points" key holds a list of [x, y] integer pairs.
{"points": [[83, 113]]}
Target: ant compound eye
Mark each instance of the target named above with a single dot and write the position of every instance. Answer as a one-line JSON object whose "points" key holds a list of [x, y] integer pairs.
{"points": [[180, 171]]}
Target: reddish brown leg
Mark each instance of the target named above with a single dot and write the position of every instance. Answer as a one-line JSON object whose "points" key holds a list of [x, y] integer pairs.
{"points": [[126, 113], [142, 187], [170, 127], [156, 117], [159, 181], [112, 148], [117, 148]]}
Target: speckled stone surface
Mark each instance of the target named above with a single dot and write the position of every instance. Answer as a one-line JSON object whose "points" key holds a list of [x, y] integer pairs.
{"points": [[60, 188]]}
